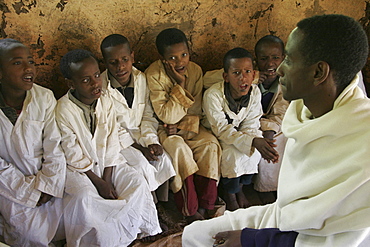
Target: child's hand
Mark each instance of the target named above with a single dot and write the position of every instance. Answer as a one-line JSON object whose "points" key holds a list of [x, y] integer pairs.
{"points": [[269, 134], [266, 148], [170, 70], [106, 189], [228, 239], [44, 198], [171, 129], [156, 149], [262, 77], [149, 155]]}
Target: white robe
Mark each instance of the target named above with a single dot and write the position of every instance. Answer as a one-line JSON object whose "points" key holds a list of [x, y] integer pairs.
{"points": [[238, 155], [324, 183], [31, 162], [89, 219], [139, 125]]}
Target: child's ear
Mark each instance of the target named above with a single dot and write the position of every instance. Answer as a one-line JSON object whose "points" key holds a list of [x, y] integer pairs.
{"points": [[133, 56], [69, 83], [225, 76]]}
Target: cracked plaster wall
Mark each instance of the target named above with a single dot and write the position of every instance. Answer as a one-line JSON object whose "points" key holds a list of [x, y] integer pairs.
{"points": [[53, 27]]}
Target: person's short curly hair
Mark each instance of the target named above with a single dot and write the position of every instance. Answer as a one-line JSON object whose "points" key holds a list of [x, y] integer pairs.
{"points": [[5, 44], [169, 37], [73, 56], [113, 40], [237, 52], [269, 39], [338, 40]]}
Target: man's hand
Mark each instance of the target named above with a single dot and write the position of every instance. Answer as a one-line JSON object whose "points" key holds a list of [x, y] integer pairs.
{"points": [[171, 72], [266, 148], [228, 239], [171, 129], [44, 198]]}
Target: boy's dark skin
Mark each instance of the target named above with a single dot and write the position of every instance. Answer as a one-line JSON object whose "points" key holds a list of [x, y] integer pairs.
{"points": [[175, 60], [17, 75], [269, 56], [87, 85]]}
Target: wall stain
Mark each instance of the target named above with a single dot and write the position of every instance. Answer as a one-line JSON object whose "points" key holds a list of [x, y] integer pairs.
{"points": [[61, 5], [257, 15], [214, 22], [39, 46], [21, 7], [315, 9], [4, 9]]}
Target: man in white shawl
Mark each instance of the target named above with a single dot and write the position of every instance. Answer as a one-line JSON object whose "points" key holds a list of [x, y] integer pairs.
{"points": [[324, 183]]}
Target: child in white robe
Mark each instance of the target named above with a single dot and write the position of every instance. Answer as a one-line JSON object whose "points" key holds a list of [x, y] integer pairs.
{"points": [[127, 87], [107, 202], [32, 164]]}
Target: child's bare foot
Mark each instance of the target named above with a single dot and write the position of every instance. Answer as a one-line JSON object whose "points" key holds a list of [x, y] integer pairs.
{"points": [[231, 202], [203, 212], [196, 216], [242, 200]]}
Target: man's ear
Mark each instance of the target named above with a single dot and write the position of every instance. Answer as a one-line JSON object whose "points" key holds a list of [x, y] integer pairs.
{"points": [[322, 70]]}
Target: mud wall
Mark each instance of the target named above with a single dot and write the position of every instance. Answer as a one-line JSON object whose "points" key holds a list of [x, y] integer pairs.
{"points": [[53, 27]]}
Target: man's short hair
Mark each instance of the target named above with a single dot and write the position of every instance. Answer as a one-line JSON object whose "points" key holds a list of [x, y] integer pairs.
{"points": [[113, 40], [269, 39], [73, 56], [338, 40], [169, 37], [237, 52]]}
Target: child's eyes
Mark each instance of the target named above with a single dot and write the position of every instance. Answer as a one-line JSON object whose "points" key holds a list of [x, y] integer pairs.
{"points": [[185, 54], [172, 58], [31, 62], [17, 63], [86, 80], [236, 72], [97, 75]]}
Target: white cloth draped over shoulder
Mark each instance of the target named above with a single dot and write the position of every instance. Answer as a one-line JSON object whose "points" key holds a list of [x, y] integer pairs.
{"points": [[324, 182], [91, 220], [138, 124], [31, 162]]}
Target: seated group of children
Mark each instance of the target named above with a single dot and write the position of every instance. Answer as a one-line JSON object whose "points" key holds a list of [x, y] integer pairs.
{"points": [[86, 168]]}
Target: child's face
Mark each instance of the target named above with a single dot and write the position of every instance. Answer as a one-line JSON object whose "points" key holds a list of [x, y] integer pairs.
{"points": [[118, 60], [240, 76], [178, 56], [86, 80], [17, 70], [269, 57]]}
